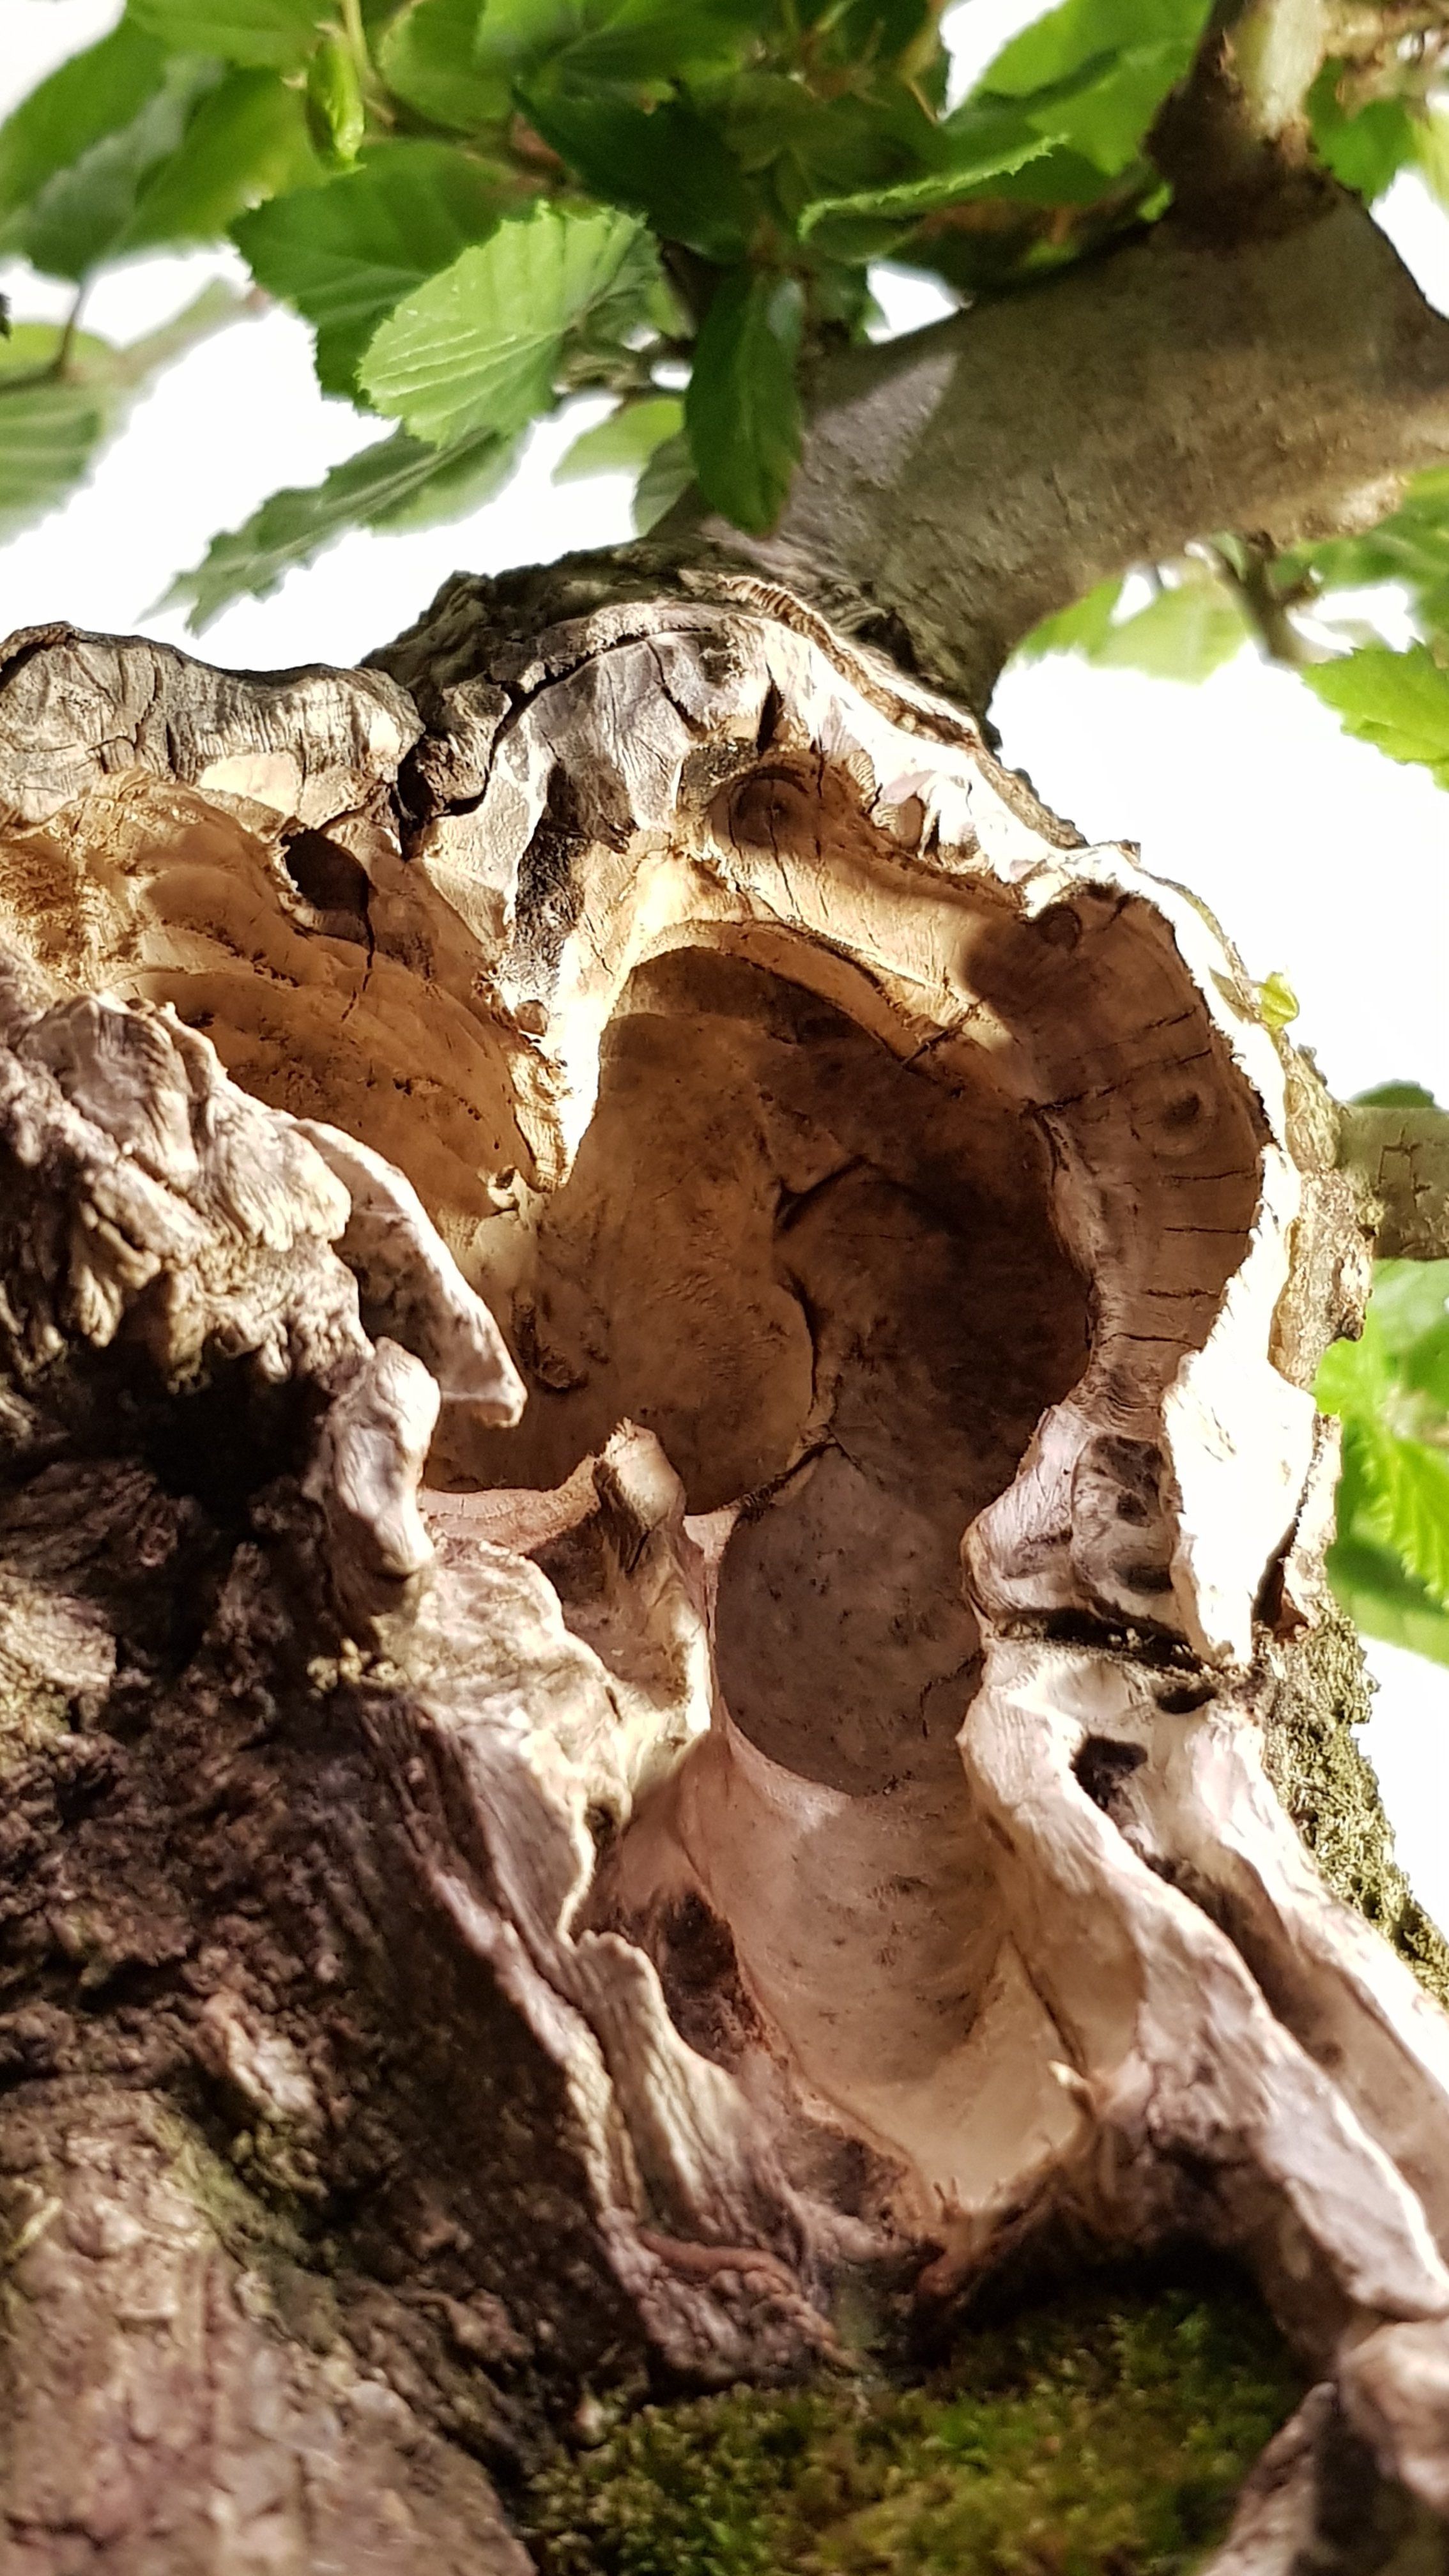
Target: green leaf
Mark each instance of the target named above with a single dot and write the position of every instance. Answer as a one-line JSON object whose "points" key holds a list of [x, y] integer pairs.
{"points": [[480, 346], [813, 148], [1431, 152], [1410, 1306], [986, 143], [50, 432], [1278, 1004], [1411, 545], [1082, 34], [668, 163], [346, 253], [1093, 73], [743, 406], [1183, 634], [624, 442], [669, 472], [247, 141], [275, 35], [591, 44], [426, 56], [1082, 628], [1397, 701], [1403, 1503], [336, 116], [398, 483], [53, 427], [1390, 1563], [83, 213], [1355, 1377], [95, 94], [1395, 1095], [1385, 1601], [1363, 148]]}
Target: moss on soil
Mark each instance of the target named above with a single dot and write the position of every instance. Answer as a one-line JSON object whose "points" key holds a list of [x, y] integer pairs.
{"points": [[1105, 2434]]}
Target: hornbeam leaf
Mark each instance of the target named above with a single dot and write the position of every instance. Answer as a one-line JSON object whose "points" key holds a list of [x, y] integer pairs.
{"points": [[1084, 34], [743, 406], [83, 212], [1185, 633], [668, 163], [668, 473], [1411, 546], [985, 143], [54, 425], [1093, 73], [50, 430], [479, 347], [347, 252], [426, 56], [597, 43], [1404, 1502], [264, 34], [1082, 628], [1398, 701], [1395, 1095], [624, 442], [1411, 1317], [94, 94], [1431, 152], [247, 141], [1365, 148], [1390, 1563], [398, 483], [1385, 1601]]}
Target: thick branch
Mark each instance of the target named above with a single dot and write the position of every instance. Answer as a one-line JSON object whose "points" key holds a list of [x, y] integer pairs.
{"points": [[1403, 1155], [970, 478]]}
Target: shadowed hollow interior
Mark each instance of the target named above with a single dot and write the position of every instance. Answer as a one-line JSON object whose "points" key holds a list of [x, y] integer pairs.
{"points": [[827, 1280]]}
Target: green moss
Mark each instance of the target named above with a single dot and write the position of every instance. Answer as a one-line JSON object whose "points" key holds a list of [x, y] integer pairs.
{"points": [[1104, 2435], [1330, 1791]]}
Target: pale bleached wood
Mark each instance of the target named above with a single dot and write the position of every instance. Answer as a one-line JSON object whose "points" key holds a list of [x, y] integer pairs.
{"points": [[827, 1725]]}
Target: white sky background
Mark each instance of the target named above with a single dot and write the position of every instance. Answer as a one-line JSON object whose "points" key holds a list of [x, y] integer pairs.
{"points": [[1321, 858]]}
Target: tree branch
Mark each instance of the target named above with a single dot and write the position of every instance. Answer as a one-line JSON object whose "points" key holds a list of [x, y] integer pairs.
{"points": [[970, 478], [1403, 1156]]}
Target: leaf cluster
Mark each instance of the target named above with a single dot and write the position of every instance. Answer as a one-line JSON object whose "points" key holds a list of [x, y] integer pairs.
{"points": [[1389, 1563], [484, 206], [1226, 593]]}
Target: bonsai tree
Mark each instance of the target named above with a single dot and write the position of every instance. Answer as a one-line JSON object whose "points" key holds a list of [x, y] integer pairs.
{"points": [[671, 1699]]}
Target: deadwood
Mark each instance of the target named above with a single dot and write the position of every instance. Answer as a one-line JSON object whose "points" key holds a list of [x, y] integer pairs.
{"points": [[659, 1499]]}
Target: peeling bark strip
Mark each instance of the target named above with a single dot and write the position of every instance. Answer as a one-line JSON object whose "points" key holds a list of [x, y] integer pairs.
{"points": [[754, 1789]]}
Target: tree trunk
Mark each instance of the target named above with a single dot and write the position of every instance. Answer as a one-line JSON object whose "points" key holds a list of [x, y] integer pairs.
{"points": [[661, 1531]]}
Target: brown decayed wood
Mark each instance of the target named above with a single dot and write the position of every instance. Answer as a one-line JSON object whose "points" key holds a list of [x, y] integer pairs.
{"points": [[658, 1451]]}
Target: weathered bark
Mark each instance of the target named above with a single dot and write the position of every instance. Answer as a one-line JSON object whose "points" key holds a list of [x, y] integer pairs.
{"points": [[965, 480], [502, 1898], [1402, 1157]]}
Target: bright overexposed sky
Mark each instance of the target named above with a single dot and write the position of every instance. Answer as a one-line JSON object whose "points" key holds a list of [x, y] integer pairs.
{"points": [[1322, 859]]}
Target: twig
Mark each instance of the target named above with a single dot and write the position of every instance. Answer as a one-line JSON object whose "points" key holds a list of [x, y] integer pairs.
{"points": [[56, 364]]}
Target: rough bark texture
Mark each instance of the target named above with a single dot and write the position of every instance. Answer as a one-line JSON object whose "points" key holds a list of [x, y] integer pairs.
{"points": [[660, 1514], [1402, 1156]]}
